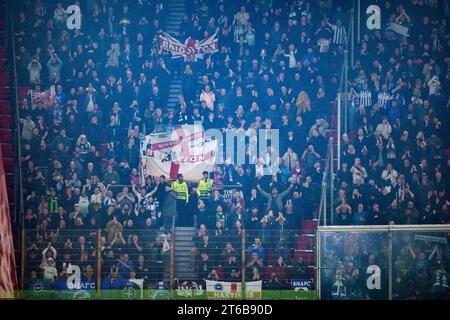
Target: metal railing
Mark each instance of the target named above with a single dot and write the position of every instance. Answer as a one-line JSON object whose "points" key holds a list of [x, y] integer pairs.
{"points": [[116, 263], [326, 203]]}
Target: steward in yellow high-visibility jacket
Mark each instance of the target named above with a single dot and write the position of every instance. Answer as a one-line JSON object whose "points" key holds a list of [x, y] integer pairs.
{"points": [[181, 189], [204, 187]]}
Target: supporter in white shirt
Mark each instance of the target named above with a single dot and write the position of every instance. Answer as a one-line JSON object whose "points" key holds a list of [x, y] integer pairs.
{"points": [[208, 97], [97, 197], [357, 170], [49, 271], [384, 128], [390, 174]]}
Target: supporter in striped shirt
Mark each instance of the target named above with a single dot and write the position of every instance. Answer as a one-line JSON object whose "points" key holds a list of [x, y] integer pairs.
{"points": [[339, 32], [365, 96], [384, 97]]}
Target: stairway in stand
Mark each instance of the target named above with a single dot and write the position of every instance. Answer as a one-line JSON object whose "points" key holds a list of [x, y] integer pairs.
{"points": [[183, 268], [176, 10]]}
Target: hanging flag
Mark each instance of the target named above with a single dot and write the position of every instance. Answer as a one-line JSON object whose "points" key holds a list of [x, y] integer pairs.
{"points": [[399, 29], [233, 290], [8, 277], [182, 150], [47, 98], [190, 48]]}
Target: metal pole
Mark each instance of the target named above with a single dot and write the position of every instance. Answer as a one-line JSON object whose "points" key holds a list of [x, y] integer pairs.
{"points": [[331, 179], [98, 260], [345, 91], [18, 145], [339, 119], [318, 252], [243, 264], [320, 206], [359, 21], [23, 258], [390, 239], [352, 37], [172, 263], [324, 203]]}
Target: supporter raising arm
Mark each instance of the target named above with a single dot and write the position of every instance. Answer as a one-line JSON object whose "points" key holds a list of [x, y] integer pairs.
{"points": [[275, 199]]}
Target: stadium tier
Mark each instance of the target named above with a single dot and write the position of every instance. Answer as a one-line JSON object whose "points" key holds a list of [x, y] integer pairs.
{"points": [[213, 149]]}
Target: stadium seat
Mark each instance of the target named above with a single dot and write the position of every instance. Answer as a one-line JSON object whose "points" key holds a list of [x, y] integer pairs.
{"points": [[23, 92], [5, 121], [5, 106], [9, 180], [8, 164], [5, 135], [305, 242], [10, 192], [332, 134], [351, 135], [267, 272], [270, 257], [220, 272], [4, 93], [309, 226], [308, 256], [7, 150], [4, 79], [103, 149]]}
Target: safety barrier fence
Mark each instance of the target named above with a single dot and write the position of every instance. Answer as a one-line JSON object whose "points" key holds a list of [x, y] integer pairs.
{"points": [[116, 263], [336, 263]]}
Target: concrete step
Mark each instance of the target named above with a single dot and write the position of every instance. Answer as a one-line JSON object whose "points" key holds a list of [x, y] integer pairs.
{"points": [[183, 246], [184, 249], [184, 266], [176, 6], [184, 229]]}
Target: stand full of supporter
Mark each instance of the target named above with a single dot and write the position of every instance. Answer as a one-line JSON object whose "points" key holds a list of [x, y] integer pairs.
{"points": [[277, 67]]}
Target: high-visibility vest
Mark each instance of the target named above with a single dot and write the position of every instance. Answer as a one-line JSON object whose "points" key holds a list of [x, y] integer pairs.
{"points": [[181, 189], [204, 188]]}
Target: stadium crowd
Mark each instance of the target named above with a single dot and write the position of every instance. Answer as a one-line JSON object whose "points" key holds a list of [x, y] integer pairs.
{"points": [[278, 66]]}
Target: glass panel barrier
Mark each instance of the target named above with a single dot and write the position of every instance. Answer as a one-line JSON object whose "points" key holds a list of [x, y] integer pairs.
{"points": [[420, 265], [384, 262], [353, 265]]}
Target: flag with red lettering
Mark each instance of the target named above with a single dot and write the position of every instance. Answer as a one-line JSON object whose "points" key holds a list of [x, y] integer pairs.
{"points": [[46, 98], [8, 277], [181, 150], [191, 47]]}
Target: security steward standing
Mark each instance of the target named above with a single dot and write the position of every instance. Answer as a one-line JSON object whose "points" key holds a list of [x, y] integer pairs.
{"points": [[182, 192]]}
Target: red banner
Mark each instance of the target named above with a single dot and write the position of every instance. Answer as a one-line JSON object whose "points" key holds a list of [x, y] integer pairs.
{"points": [[8, 277]]}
